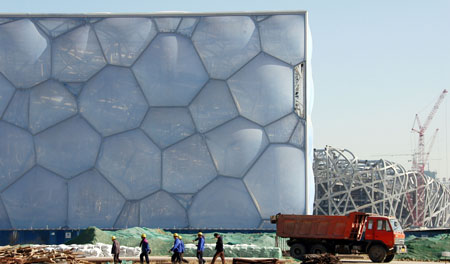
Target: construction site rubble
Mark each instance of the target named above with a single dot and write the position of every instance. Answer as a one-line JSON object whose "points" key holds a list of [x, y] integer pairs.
{"points": [[255, 261], [39, 254], [96, 250], [325, 258]]}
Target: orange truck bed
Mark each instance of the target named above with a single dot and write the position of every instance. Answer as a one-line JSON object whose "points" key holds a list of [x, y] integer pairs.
{"points": [[349, 227]]}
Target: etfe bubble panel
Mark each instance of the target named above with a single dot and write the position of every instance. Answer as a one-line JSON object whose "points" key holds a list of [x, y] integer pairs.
{"points": [[158, 120]]}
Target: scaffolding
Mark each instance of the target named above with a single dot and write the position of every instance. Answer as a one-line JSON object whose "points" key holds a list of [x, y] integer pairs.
{"points": [[347, 184]]}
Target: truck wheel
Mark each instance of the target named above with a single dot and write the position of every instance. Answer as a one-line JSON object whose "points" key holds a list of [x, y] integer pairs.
{"points": [[377, 253], [389, 258], [297, 251], [318, 249]]}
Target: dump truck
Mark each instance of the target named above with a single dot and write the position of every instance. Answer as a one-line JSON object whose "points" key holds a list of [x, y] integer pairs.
{"points": [[380, 237]]}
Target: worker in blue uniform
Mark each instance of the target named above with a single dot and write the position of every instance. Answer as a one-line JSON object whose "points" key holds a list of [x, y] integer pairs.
{"points": [[200, 247], [182, 250], [145, 249], [176, 249]]}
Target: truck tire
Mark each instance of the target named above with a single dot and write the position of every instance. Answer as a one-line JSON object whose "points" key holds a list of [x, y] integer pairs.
{"points": [[297, 251], [318, 249], [377, 253], [389, 258]]}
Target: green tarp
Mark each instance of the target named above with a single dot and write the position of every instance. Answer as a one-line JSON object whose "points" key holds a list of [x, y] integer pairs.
{"points": [[426, 248], [247, 244], [419, 248]]}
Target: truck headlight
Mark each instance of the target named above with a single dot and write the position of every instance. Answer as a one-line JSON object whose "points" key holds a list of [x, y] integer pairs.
{"points": [[399, 241]]}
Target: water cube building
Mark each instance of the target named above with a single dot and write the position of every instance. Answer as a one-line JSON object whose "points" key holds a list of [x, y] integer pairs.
{"points": [[171, 120]]}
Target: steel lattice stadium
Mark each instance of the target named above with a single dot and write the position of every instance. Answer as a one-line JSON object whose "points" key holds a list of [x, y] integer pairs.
{"points": [[346, 184]]}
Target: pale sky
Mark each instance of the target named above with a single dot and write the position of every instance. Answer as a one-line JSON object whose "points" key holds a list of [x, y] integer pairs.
{"points": [[375, 65]]}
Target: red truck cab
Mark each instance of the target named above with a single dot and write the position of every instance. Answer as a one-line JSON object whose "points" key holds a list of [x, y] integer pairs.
{"points": [[386, 231]]}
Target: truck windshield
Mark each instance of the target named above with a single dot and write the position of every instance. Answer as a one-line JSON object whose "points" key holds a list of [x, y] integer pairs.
{"points": [[396, 225]]}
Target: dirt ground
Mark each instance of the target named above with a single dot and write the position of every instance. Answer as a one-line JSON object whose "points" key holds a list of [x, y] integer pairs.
{"points": [[166, 260], [365, 261]]}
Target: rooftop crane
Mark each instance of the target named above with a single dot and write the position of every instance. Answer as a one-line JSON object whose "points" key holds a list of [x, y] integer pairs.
{"points": [[416, 201], [419, 157]]}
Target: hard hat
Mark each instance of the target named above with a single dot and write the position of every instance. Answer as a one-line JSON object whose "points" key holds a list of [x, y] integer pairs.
{"points": [[175, 235], [180, 237], [143, 235], [199, 234], [113, 238]]}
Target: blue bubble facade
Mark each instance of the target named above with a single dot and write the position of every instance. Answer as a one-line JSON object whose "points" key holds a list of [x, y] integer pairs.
{"points": [[159, 120]]}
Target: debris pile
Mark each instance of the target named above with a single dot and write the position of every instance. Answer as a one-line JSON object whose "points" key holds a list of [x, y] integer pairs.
{"points": [[325, 258], [255, 261], [28, 254], [96, 250]]}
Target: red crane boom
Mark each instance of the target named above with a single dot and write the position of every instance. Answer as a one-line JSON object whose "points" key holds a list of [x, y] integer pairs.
{"points": [[419, 159], [416, 201]]}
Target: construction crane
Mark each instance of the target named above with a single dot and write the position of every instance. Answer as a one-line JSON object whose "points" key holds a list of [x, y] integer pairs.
{"points": [[427, 155], [419, 157], [416, 201]]}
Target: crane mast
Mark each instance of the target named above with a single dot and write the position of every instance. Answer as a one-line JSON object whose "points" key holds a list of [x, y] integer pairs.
{"points": [[416, 201], [419, 157], [427, 155]]}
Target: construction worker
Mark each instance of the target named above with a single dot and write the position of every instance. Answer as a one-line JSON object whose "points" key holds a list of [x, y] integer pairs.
{"points": [[200, 247], [182, 250], [176, 249], [145, 249], [219, 249], [115, 250]]}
